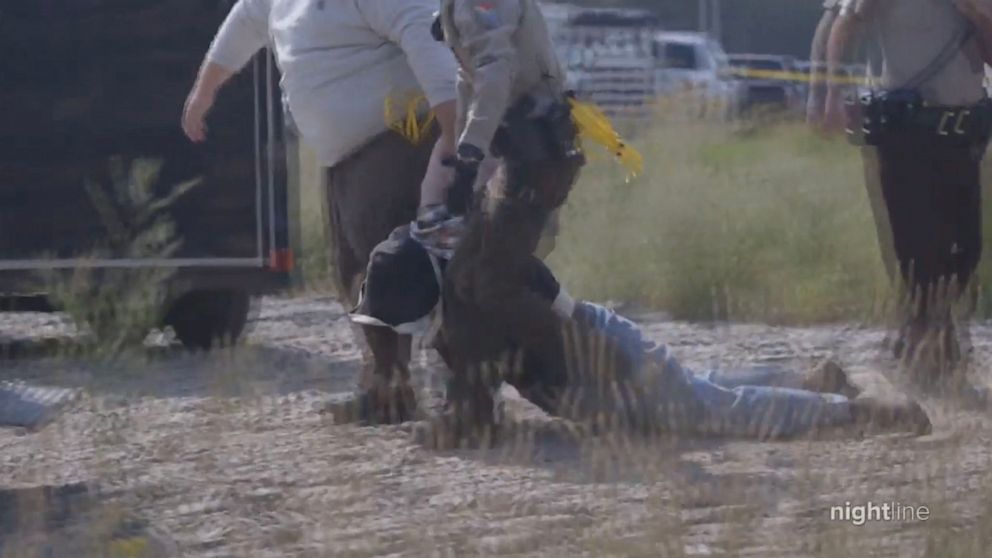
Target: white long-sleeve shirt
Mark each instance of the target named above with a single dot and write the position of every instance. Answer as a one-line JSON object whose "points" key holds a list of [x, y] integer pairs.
{"points": [[340, 60]]}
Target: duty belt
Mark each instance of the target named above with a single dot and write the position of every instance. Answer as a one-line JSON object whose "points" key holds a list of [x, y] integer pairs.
{"points": [[878, 118]]}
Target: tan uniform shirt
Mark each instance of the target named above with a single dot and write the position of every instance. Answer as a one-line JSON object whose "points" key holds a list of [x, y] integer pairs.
{"points": [[504, 52], [910, 34]]}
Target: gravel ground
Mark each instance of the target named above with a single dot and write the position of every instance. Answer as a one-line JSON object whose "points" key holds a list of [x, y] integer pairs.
{"points": [[225, 455]]}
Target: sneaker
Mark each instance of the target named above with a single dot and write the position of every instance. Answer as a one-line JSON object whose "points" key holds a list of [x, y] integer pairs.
{"points": [[888, 416], [375, 407], [32, 407]]}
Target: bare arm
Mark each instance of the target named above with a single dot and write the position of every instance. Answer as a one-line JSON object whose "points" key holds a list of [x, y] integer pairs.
{"points": [[446, 114], [979, 13], [201, 99], [438, 177], [844, 35], [243, 33], [818, 67], [847, 32]]}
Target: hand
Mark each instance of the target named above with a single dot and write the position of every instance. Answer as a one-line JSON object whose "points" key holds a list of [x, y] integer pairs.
{"points": [[834, 116], [815, 105], [198, 104]]}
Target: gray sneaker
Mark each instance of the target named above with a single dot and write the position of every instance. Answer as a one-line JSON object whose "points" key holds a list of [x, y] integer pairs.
{"points": [[26, 406]]}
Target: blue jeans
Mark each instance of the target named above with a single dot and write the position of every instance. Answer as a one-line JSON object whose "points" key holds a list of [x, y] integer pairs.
{"points": [[738, 403], [750, 403]]}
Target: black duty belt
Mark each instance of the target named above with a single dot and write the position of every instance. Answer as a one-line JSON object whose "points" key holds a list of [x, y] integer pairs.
{"points": [[527, 137], [873, 119]]}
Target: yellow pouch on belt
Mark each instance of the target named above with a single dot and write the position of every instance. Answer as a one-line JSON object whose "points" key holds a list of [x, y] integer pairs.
{"points": [[410, 124]]}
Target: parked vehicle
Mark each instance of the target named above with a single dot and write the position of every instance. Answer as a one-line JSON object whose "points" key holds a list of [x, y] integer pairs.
{"points": [[606, 53], [90, 81], [617, 80], [769, 81], [695, 63]]}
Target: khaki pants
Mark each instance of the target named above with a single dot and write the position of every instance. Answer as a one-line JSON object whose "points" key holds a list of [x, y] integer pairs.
{"points": [[926, 199], [368, 195]]}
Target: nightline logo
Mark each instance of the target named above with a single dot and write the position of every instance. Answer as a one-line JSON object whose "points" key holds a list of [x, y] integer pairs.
{"points": [[859, 514]]}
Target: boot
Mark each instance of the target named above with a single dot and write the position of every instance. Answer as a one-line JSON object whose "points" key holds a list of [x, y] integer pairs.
{"points": [[887, 416], [472, 416], [380, 405], [933, 356], [462, 426]]}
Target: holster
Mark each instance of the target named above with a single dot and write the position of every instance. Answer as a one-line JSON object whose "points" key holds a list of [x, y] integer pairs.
{"points": [[525, 137], [872, 119]]}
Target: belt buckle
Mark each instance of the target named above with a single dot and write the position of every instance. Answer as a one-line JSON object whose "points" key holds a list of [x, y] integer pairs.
{"points": [[952, 121]]}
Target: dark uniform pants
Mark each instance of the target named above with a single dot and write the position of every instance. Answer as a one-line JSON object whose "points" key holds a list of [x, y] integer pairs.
{"points": [[490, 310], [368, 195], [926, 197]]}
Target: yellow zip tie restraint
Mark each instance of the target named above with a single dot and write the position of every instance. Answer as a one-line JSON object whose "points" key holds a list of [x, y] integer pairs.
{"points": [[595, 126], [410, 126]]}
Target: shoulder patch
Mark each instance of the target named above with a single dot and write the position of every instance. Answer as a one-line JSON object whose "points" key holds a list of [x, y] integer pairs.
{"points": [[485, 14]]}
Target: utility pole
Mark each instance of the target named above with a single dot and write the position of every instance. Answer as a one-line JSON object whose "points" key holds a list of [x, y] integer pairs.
{"points": [[711, 18], [716, 25]]}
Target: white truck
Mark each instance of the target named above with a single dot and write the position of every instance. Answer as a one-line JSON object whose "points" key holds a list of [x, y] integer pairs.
{"points": [[694, 64], [623, 61]]}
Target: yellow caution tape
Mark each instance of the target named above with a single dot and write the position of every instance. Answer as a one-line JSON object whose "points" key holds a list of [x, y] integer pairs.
{"points": [[411, 126], [595, 126], [800, 77]]}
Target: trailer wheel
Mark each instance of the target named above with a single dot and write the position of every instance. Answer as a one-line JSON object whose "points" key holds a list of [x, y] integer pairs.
{"points": [[207, 319]]}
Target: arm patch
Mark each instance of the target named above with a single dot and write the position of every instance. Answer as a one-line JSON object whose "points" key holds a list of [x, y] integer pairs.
{"points": [[485, 14]]}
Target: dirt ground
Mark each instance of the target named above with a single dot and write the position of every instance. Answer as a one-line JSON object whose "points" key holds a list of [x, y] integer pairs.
{"points": [[225, 455]]}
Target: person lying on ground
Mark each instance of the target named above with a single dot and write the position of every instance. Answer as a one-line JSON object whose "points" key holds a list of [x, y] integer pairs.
{"points": [[513, 108], [615, 371]]}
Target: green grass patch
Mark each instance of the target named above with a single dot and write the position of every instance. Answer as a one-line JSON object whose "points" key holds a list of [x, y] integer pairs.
{"points": [[757, 223]]}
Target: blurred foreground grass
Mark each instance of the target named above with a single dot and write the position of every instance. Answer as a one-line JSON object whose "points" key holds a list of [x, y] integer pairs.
{"points": [[751, 221]]}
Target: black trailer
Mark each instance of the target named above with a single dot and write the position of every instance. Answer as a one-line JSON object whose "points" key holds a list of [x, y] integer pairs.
{"points": [[85, 81]]}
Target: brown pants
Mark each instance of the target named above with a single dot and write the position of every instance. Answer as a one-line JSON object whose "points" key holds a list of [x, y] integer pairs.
{"points": [[926, 197], [489, 309], [368, 195]]}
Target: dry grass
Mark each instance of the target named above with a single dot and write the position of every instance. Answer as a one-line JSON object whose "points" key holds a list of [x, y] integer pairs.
{"points": [[767, 224], [237, 463], [763, 224], [316, 261]]}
